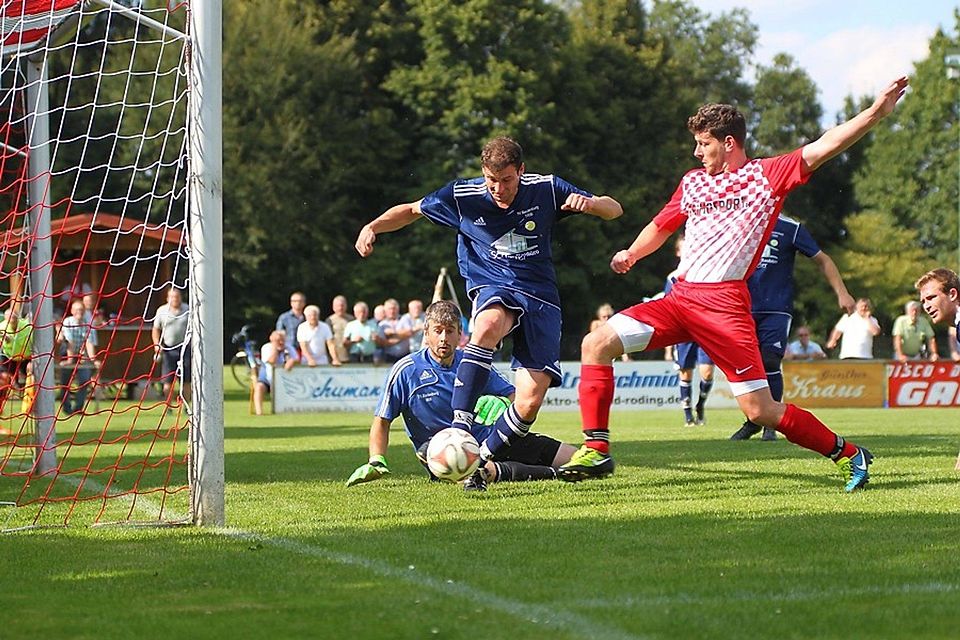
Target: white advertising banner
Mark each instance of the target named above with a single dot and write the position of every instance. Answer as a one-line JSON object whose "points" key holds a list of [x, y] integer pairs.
{"points": [[639, 385]]}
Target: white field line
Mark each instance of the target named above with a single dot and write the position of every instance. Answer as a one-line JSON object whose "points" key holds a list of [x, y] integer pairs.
{"points": [[770, 597], [536, 614]]}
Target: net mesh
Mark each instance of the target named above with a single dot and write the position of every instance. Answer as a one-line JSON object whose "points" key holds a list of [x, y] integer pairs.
{"points": [[110, 81]]}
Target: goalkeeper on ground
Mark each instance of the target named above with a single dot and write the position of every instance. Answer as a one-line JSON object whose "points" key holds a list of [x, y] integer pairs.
{"points": [[419, 387]]}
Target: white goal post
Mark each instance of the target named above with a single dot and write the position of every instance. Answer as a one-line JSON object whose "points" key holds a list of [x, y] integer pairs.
{"points": [[201, 200]]}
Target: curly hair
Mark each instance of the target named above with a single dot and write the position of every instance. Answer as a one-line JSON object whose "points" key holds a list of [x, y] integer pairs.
{"points": [[500, 153], [720, 121]]}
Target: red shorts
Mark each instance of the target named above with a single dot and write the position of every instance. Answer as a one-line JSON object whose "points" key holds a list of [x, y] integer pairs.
{"points": [[715, 315]]}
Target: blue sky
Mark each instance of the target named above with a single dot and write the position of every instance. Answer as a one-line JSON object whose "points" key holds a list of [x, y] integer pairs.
{"points": [[847, 46]]}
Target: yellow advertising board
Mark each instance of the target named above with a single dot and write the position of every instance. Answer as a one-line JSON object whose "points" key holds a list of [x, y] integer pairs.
{"points": [[841, 383]]}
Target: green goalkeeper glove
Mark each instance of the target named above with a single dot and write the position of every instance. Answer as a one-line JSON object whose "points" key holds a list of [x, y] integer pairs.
{"points": [[489, 408], [369, 472]]}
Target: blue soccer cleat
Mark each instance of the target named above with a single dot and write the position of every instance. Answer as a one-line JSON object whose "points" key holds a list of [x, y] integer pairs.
{"points": [[855, 470]]}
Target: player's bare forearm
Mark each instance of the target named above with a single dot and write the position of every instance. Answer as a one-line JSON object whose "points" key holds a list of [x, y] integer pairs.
{"points": [[394, 218], [379, 436], [650, 239], [829, 269], [842, 136], [603, 207]]}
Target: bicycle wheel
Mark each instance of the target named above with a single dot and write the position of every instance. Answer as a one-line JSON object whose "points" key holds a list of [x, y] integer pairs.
{"points": [[240, 370]]}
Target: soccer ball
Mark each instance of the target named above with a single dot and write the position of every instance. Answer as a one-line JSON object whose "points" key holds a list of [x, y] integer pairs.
{"points": [[453, 454]]}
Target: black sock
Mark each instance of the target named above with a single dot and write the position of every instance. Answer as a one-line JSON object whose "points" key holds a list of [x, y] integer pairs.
{"points": [[509, 471]]}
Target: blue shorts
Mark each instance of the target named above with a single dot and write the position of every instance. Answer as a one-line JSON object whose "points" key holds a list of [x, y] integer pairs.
{"points": [[689, 354], [536, 329], [772, 331]]}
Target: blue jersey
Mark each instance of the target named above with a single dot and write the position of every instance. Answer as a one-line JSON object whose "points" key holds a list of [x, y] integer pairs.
{"points": [[421, 389], [771, 285], [509, 248]]}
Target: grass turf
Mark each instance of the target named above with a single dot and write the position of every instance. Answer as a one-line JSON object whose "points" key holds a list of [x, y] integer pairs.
{"points": [[694, 536]]}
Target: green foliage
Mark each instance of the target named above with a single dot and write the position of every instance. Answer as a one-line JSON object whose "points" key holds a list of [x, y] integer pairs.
{"points": [[911, 170], [881, 260]]}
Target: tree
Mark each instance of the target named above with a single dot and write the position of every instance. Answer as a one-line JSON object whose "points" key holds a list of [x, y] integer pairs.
{"points": [[911, 170]]}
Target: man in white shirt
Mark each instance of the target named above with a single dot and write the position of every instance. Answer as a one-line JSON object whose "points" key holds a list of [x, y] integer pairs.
{"points": [[170, 342], [316, 340], [855, 333], [803, 348]]}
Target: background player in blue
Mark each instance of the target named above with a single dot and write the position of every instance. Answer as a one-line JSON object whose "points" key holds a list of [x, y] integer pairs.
{"points": [[771, 290], [420, 388], [688, 355], [504, 221]]}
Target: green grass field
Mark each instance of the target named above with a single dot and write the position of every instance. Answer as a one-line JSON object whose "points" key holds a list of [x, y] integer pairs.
{"points": [[694, 537]]}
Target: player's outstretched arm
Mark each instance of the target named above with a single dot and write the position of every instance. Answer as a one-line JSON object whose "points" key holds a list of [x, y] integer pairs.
{"points": [[650, 239], [377, 464], [396, 217], [829, 269], [601, 206], [842, 136]]}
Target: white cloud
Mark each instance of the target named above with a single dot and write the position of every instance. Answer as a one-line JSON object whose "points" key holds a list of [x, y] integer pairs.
{"points": [[861, 61]]}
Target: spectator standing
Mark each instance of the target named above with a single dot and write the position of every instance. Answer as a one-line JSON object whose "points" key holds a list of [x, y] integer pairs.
{"points": [[338, 322], [316, 340], [803, 348], [170, 342], [288, 321], [80, 360], [416, 319], [359, 336], [913, 337], [855, 333], [17, 345], [275, 353], [395, 332]]}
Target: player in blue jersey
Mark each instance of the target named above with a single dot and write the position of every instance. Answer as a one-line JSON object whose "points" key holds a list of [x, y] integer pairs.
{"points": [[688, 355], [420, 388], [771, 291], [504, 221]]}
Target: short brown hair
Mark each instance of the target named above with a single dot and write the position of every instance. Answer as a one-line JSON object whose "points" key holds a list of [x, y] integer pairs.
{"points": [[443, 312], [500, 153], [948, 279], [720, 121]]}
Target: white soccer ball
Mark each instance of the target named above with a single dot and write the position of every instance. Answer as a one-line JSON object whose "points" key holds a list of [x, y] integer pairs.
{"points": [[453, 454]]}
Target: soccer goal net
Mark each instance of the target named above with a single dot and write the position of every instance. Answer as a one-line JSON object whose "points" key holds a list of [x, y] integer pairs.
{"points": [[101, 208]]}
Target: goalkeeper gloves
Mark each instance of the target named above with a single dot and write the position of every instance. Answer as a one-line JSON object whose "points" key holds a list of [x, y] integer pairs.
{"points": [[369, 472], [489, 408]]}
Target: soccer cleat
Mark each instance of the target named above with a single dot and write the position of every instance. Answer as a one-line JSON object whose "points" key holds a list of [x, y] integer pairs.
{"points": [[476, 482], [746, 431], [586, 463], [689, 423], [855, 470], [701, 418], [769, 434]]}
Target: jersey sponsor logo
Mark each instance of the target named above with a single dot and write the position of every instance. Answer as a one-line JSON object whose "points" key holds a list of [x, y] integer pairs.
{"points": [[514, 245], [528, 212], [716, 206], [480, 222]]}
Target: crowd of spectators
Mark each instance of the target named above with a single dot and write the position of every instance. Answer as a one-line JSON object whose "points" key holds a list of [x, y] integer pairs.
{"points": [[351, 338]]}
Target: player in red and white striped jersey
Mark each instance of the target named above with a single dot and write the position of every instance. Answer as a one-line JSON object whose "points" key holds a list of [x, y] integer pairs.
{"points": [[729, 208]]}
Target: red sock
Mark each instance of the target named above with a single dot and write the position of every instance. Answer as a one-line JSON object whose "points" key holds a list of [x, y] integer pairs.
{"points": [[803, 428], [596, 395]]}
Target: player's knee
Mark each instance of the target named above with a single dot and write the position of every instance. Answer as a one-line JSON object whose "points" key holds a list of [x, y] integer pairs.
{"points": [[602, 343], [771, 360]]}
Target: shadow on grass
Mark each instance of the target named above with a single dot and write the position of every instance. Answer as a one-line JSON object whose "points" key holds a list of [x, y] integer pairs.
{"points": [[662, 576]]}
